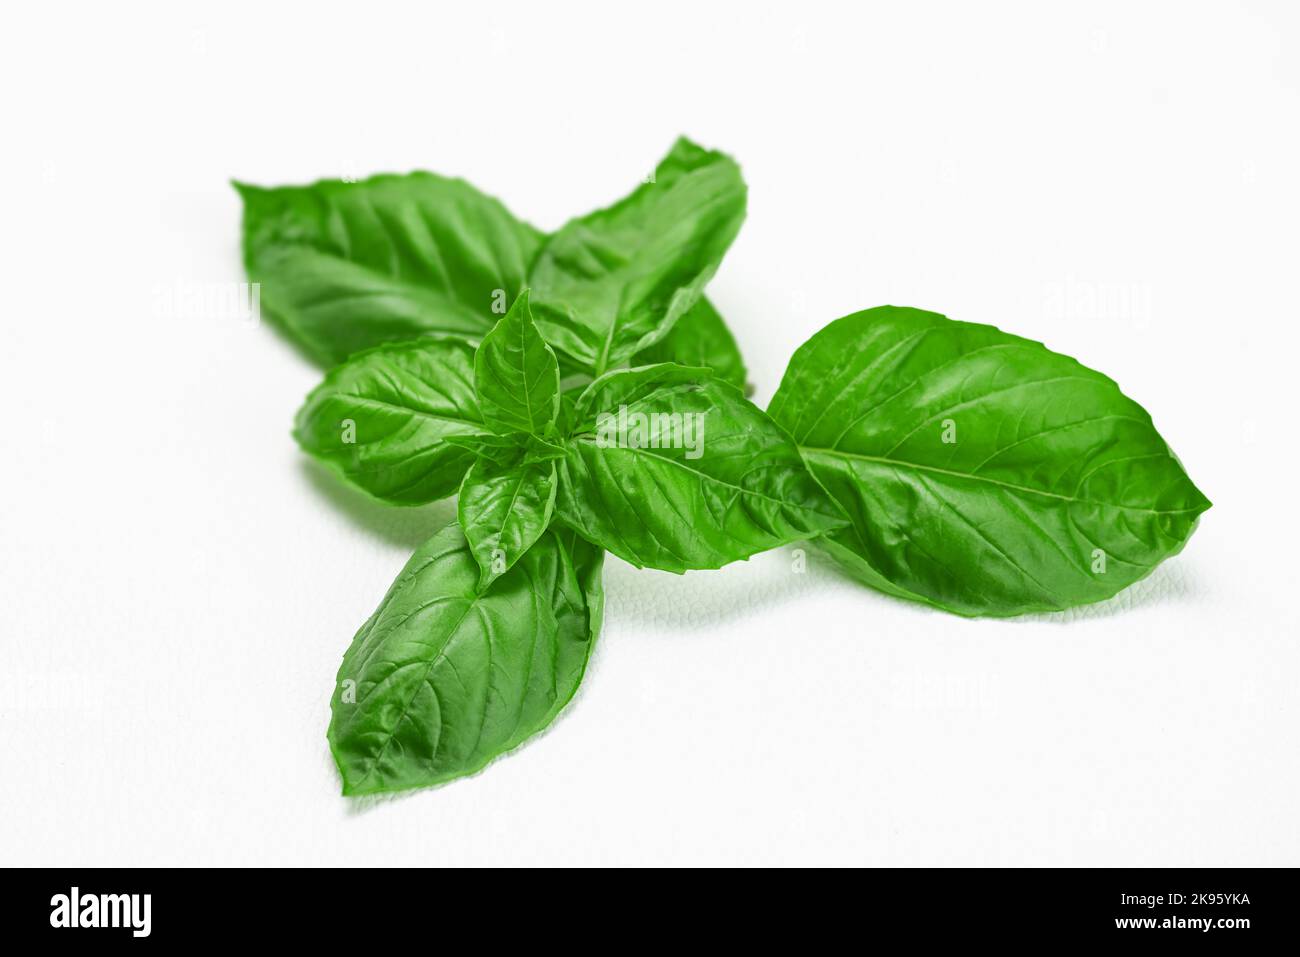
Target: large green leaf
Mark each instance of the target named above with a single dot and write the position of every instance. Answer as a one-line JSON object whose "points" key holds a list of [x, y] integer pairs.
{"points": [[442, 679], [516, 375], [346, 266], [382, 418], [983, 473], [613, 282], [699, 338], [503, 510], [673, 469]]}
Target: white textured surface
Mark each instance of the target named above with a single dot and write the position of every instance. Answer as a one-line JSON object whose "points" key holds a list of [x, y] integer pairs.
{"points": [[165, 552]]}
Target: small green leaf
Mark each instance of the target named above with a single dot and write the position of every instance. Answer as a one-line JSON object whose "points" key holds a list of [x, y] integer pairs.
{"points": [[516, 375], [613, 282], [503, 510], [670, 468], [382, 419], [443, 678], [983, 473], [699, 338], [347, 266]]}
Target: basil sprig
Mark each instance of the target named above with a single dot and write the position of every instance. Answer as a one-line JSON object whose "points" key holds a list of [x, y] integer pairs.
{"points": [[941, 462]]}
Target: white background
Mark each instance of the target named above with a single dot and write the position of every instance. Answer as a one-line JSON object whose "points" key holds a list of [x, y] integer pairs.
{"points": [[177, 584]]}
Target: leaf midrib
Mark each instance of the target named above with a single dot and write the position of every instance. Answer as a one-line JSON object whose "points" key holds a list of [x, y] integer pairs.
{"points": [[389, 284], [424, 679], [704, 476], [366, 400], [916, 466]]}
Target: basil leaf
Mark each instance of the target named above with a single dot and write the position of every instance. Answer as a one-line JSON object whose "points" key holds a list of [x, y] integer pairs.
{"points": [[516, 375], [503, 510], [613, 282], [442, 679], [346, 266], [983, 473], [672, 469], [699, 338], [381, 419]]}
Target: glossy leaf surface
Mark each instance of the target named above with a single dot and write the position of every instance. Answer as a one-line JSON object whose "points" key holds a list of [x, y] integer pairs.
{"points": [[381, 419], [516, 375], [673, 469], [347, 266], [442, 679], [503, 510], [613, 282], [983, 473]]}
